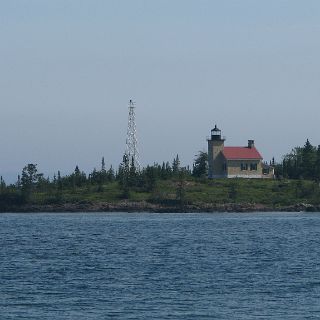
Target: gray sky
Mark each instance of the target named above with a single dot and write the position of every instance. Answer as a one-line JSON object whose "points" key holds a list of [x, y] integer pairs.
{"points": [[69, 67]]}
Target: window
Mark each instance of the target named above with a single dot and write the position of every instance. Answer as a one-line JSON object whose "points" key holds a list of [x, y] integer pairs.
{"points": [[244, 166], [265, 170], [253, 167], [224, 167]]}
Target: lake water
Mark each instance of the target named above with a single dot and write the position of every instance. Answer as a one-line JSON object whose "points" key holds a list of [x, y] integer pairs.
{"points": [[160, 266]]}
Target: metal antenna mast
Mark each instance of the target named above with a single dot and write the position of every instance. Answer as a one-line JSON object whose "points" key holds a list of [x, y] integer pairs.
{"points": [[132, 153]]}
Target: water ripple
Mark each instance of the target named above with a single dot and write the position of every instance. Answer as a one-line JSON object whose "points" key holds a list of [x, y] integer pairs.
{"points": [[160, 266]]}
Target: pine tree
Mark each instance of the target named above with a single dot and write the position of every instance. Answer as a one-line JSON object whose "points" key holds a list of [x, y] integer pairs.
{"points": [[29, 179], [79, 178], [54, 179], [110, 174], [2, 185], [103, 165], [18, 184], [123, 177], [308, 161], [150, 178], [103, 177], [132, 173], [176, 165], [168, 170], [59, 181], [200, 167]]}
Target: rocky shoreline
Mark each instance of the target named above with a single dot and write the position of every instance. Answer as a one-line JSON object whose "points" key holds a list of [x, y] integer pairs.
{"points": [[129, 206]]}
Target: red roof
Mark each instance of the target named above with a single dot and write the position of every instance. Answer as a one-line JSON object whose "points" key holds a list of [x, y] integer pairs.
{"points": [[241, 153]]}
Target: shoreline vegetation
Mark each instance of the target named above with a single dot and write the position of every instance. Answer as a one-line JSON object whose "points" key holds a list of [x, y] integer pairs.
{"points": [[168, 187], [177, 194]]}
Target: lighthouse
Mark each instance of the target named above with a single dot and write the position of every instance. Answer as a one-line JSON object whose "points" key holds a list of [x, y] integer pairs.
{"points": [[215, 157]]}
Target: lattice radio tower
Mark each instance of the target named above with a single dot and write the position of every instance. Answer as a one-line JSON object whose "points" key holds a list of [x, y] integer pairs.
{"points": [[132, 153]]}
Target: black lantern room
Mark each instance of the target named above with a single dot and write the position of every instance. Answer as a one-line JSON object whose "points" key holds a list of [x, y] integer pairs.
{"points": [[215, 133]]}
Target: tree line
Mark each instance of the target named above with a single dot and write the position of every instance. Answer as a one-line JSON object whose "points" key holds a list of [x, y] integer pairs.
{"points": [[301, 163], [128, 178]]}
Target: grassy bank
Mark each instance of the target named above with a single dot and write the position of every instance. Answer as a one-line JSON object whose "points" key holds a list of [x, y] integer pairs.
{"points": [[272, 193]]}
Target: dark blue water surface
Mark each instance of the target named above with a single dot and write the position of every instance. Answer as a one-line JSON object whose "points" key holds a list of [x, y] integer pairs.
{"points": [[160, 266]]}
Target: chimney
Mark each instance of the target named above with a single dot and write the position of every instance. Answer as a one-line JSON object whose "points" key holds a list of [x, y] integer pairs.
{"points": [[250, 144]]}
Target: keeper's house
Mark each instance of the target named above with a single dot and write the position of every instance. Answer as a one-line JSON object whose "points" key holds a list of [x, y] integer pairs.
{"points": [[235, 162]]}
